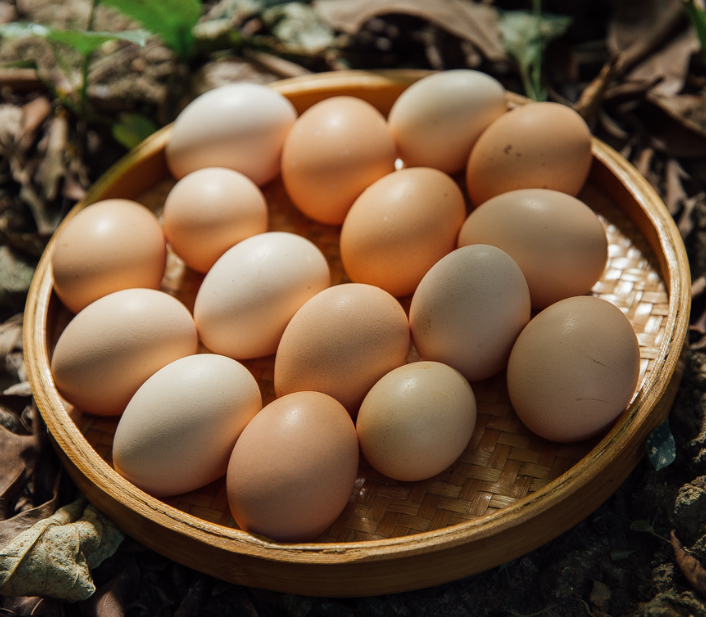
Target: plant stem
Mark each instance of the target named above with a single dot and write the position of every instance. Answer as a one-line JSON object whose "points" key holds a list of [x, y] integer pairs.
{"points": [[537, 90], [698, 21]]}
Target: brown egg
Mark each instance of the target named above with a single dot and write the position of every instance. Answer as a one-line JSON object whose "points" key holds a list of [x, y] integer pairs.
{"points": [[400, 227], [335, 150], [557, 240], [469, 309], [293, 468], [416, 421], [110, 245], [209, 211], [574, 369], [341, 342], [178, 431], [113, 345], [537, 145]]}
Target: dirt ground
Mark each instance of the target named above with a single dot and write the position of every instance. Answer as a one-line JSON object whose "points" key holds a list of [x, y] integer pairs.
{"points": [[633, 69]]}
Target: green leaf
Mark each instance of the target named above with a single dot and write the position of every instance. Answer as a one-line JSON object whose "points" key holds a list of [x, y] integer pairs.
{"points": [[642, 526], [171, 20], [661, 447], [132, 129], [83, 41], [524, 36], [697, 16]]}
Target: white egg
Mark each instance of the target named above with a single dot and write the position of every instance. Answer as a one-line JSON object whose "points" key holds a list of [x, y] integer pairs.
{"points": [[239, 126], [249, 295], [179, 429], [436, 121]]}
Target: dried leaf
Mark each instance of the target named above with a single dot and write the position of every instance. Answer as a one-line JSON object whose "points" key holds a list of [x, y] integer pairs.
{"points": [[189, 605], [690, 567], [15, 277], [110, 599], [299, 27], [470, 21], [675, 193], [670, 65], [10, 528], [54, 557], [53, 165], [18, 451]]}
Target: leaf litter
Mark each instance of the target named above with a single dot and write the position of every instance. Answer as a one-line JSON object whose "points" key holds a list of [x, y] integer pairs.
{"points": [[632, 69]]}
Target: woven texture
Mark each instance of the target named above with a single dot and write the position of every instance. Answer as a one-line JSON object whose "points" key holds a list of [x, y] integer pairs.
{"points": [[504, 461]]}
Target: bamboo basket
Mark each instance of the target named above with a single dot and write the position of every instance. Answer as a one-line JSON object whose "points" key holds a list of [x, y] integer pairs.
{"points": [[509, 493]]}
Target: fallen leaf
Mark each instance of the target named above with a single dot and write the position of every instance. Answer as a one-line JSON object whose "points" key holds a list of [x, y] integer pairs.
{"points": [[54, 557], [10, 528], [675, 195], [189, 605], [110, 599], [299, 27], [18, 452], [470, 21], [53, 166], [690, 567]]}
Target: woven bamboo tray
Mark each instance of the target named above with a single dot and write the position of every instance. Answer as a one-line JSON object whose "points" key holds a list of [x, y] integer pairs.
{"points": [[509, 492]]}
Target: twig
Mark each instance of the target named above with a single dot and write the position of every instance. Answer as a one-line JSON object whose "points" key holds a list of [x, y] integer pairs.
{"points": [[690, 567]]}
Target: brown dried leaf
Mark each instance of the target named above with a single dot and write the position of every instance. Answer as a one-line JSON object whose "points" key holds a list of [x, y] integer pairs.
{"points": [[53, 166], [690, 567], [34, 114], [675, 124], [473, 22], [189, 605], [670, 64], [675, 193], [10, 528], [110, 599], [18, 452]]}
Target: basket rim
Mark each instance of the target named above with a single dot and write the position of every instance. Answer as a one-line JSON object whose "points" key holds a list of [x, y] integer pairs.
{"points": [[74, 445]]}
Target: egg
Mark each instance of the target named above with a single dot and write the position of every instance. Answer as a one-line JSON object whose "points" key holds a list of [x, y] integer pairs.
{"points": [[335, 150], [557, 240], [468, 310], [293, 469], [574, 369], [416, 421], [436, 121], [341, 342], [110, 245], [115, 344], [240, 126], [399, 227], [178, 431], [210, 210], [537, 145], [249, 295]]}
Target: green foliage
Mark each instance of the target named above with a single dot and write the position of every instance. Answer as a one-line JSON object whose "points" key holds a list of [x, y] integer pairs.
{"points": [[171, 20], [132, 129], [525, 36], [697, 16], [83, 41], [661, 447]]}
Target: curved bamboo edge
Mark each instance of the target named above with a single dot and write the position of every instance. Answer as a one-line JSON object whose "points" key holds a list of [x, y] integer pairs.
{"points": [[455, 551]]}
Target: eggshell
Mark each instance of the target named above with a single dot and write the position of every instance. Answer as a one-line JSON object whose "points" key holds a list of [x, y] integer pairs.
{"points": [[249, 295], [178, 430], [469, 309], [416, 420], [336, 149], [112, 346], [341, 342], [574, 369], [108, 246], [537, 145], [210, 210], [436, 121], [240, 126], [293, 469], [400, 227], [557, 240]]}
